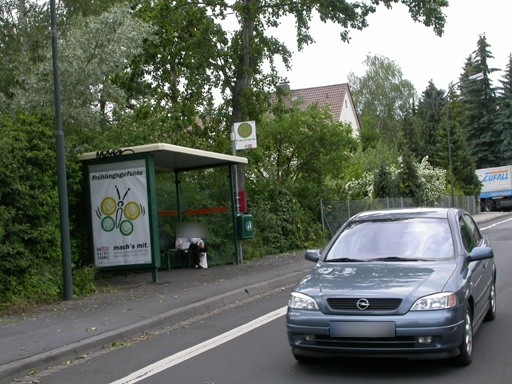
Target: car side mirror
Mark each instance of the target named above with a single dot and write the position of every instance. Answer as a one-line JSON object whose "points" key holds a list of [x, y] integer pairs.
{"points": [[313, 255], [481, 253]]}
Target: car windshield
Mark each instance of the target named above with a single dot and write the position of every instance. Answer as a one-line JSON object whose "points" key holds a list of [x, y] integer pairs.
{"points": [[417, 239]]}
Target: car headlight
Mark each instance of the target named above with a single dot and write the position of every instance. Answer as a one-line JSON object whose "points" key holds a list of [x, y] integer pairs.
{"points": [[301, 301], [436, 301]]}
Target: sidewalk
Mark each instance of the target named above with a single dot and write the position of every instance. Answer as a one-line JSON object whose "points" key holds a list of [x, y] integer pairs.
{"points": [[128, 306]]}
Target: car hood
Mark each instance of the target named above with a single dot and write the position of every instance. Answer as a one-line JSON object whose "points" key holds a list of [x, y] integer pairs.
{"points": [[399, 280]]}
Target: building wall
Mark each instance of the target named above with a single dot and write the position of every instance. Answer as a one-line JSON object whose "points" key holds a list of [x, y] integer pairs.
{"points": [[348, 115]]}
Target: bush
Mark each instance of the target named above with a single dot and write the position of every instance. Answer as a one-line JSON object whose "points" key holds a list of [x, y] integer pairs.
{"points": [[281, 224], [30, 254]]}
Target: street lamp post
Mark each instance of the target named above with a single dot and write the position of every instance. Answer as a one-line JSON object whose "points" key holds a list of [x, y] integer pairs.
{"points": [[61, 164], [477, 76]]}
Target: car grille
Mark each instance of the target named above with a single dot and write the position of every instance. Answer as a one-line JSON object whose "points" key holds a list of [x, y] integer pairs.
{"points": [[374, 304], [406, 342]]}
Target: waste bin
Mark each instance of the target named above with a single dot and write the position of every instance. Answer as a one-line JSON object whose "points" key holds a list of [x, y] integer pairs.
{"points": [[244, 226]]}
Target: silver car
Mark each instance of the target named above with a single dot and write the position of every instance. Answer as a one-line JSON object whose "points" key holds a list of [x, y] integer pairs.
{"points": [[413, 283]]}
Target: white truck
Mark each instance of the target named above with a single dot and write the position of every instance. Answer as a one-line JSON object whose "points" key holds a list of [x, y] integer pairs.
{"points": [[496, 193]]}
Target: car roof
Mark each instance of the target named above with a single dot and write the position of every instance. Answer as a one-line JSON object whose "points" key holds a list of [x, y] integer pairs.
{"points": [[405, 213]]}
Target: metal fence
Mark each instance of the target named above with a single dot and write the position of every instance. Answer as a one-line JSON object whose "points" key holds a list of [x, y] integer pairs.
{"points": [[335, 213]]}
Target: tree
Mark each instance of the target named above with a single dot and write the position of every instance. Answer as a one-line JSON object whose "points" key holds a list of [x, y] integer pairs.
{"points": [[503, 120], [463, 166], [300, 156], [255, 17], [24, 39], [302, 147], [430, 112], [92, 52], [480, 105], [408, 177], [382, 98], [235, 53], [86, 8], [384, 184]]}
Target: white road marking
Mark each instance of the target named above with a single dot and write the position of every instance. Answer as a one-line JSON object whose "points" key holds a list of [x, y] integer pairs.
{"points": [[189, 353], [495, 224]]}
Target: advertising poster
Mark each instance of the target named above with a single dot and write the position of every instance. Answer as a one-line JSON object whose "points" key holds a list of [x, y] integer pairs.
{"points": [[120, 220]]}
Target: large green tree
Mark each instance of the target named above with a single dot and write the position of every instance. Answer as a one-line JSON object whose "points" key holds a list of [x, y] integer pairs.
{"points": [[382, 98], [23, 41], [430, 112], [479, 99], [300, 156], [92, 51], [503, 119], [451, 133], [256, 16], [227, 43]]}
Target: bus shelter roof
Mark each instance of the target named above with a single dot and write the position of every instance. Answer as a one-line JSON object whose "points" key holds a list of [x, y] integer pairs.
{"points": [[171, 158]]}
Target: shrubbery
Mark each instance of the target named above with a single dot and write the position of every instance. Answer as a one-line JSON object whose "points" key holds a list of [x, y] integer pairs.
{"points": [[29, 218]]}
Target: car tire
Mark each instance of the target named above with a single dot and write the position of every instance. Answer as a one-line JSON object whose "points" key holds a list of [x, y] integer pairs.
{"points": [[491, 313], [466, 347], [301, 359]]}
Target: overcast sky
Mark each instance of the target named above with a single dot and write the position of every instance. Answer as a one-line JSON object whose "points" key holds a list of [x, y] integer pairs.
{"points": [[416, 49]]}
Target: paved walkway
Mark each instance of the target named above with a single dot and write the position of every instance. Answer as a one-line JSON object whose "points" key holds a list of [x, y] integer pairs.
{"points": [[130, 305]]}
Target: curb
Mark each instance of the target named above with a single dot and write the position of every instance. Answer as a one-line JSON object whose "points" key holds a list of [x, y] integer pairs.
{"points": [[74, 350]]}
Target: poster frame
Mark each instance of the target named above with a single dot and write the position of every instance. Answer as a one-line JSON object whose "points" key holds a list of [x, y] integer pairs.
{"points": [[151, 209]]}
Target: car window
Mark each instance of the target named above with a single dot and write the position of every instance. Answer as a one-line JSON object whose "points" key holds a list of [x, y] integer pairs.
{"points": [[473, 230], [467, 238], [418, 238]]}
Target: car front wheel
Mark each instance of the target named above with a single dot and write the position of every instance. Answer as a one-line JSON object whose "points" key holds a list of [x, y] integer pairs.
{"points": [[466, 347]]}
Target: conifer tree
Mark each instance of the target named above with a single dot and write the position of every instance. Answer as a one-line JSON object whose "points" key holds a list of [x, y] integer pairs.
{"points": [[384, 185], [503, 121], [430, 111], [480, 105]]}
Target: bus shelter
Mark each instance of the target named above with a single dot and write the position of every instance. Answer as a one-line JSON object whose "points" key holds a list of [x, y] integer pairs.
{"points": [[123, 212]]}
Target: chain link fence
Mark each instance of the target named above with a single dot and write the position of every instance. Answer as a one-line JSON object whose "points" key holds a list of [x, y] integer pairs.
{"points": [[335, 213]]}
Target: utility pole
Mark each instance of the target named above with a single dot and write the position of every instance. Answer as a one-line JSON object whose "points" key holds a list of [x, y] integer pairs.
{"points": [[61, 163]]}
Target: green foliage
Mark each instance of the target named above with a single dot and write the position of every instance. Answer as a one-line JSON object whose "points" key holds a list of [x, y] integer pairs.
{"points": [[432, 183], [303, 149], [300, 159], [179, 67], [503, 122], [402, 178], [382, 98], [408, 177], [125, 83], [93, 51], [431, 112], [84, 281], [39, 285], [24, 36], [384, 185], [29, 226], [281, 223], [480, 104]]}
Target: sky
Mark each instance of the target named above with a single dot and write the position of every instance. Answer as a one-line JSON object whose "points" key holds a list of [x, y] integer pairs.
{"points": [[416, 49]]}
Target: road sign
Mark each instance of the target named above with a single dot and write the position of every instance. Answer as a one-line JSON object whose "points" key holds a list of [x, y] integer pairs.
{"points": [[245, 135]]}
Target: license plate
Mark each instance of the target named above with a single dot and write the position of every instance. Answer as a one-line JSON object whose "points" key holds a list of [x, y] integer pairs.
{"points": [[362, 329]]}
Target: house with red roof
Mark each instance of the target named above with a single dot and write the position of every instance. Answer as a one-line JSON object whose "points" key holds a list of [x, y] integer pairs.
{"points": [[336, 96]]}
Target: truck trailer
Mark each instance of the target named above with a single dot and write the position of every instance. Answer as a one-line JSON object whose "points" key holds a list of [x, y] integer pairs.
{"points": [[496, 193]]}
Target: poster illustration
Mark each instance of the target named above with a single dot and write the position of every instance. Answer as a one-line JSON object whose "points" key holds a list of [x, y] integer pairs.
{"points": [[120, 221]]}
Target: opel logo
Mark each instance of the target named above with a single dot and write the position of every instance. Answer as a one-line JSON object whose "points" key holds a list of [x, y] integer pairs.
{"points": [[362, 304]]}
